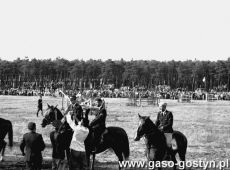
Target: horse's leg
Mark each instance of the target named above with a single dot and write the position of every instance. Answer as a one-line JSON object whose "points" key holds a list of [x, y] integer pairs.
{"points": [[67, 151], [181, 154], [173, 157], [88, 159], [94, 150], [182, 150], [3, 146], [1, 149], [92, 165], [87, 152]]}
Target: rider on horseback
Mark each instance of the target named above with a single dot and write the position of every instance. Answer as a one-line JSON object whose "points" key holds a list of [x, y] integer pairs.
{"points": [[165, 122], [98, 124]]}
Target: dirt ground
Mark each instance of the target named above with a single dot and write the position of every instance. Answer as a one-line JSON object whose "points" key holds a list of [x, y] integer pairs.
{"points": [[205, 124]]}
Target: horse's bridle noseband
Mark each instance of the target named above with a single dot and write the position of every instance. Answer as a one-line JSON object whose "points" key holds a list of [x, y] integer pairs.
{"points": [[49, 116]]}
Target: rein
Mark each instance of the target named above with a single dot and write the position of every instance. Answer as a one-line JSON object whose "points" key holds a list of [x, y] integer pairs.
{"points": [[46, 119], [147, 134]]}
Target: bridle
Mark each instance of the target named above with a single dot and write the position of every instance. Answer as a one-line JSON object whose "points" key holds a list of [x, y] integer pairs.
{"points": [[55, 114]]}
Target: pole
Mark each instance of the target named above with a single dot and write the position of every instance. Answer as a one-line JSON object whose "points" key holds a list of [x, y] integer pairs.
{"points": [[62, 101]]}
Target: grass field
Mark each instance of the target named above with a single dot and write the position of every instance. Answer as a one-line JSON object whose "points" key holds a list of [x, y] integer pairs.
{"points": [[206, 125]]}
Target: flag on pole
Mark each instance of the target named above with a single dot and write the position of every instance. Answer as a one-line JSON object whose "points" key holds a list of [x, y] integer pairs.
{"points": [[204, 79]]}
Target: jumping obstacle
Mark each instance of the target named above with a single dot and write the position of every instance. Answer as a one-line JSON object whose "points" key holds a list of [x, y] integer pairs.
{"points": [[184, 98], [211, 97], [143, 101], [65, 100]]}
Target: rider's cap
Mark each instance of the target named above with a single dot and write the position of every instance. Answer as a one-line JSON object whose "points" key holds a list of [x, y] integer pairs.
{"points": [[162, 104], [98, 99], [31, 126]]}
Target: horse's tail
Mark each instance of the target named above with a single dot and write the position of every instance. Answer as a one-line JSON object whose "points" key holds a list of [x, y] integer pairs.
{"points": [[125, 145], [10, 134], [117, 139], [181, 141]]}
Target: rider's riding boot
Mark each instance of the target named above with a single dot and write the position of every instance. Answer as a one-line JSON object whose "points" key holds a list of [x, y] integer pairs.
{"points": [[97, 142], [94, 148]]}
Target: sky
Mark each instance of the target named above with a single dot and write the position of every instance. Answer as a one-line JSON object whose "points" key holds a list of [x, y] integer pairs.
{"points": [[160, 30]]}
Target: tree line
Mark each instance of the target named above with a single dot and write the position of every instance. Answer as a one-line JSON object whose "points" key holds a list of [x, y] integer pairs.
{"points": [[146, 73]]}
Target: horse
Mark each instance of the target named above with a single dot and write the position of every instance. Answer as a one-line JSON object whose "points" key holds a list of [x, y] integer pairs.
{"points": [[62, 135], [155, 140], [115, 138], [5, 127]]}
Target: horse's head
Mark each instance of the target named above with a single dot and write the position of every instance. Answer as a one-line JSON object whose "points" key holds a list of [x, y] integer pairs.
{"points": [[52, 113], [145, 126]]}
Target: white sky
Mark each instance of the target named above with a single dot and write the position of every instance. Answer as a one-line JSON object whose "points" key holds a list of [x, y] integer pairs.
{"points": [[104, 29]]}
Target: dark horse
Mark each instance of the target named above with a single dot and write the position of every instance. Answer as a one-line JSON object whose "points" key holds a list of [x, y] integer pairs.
{"points": [[115, 138], [156, 147], [62, 135], [5, 127]]}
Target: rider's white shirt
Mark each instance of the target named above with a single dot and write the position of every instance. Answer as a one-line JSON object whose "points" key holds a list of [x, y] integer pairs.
{"points": [[79, 135]]}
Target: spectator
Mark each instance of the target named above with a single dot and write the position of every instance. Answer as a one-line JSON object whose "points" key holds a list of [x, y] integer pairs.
{"points": [[40, 105], [33, 144], [58, 152]]}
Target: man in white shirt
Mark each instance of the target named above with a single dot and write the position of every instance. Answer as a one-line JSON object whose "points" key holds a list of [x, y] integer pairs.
{"points": [[77, 145]]}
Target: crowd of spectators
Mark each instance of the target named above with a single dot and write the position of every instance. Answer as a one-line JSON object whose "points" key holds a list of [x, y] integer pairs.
{"points": [[163, 92]]}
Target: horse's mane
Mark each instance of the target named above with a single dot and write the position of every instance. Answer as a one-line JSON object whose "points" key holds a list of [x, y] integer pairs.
{"points": [[149, 123], [3, 121], [58, 112], [153, 135]]}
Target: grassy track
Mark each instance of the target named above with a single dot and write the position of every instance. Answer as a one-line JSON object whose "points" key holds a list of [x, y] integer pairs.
{"points": [[206, 125]]}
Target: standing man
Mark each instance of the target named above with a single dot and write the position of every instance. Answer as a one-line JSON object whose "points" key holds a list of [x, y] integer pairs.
{"points": [[33, 144], [98, 123], [40, 105], [165, 122], [58, 152]]}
